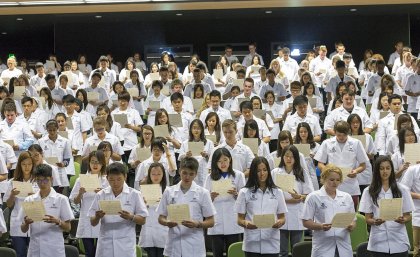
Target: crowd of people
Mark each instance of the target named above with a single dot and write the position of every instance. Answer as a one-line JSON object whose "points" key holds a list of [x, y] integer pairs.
{"points": [[220, 144]]}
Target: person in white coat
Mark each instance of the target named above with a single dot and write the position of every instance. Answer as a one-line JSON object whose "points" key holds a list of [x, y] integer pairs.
{"points": [[260, 196], [84, 197], [187, 238], [291, 232], [153, 236], [319, 209], [387, 237], [14, 199], [225, 231], [47, 236], [117, 235]]}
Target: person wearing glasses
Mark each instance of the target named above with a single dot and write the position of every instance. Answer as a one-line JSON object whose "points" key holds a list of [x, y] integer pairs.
{"points": [[47, 235]]}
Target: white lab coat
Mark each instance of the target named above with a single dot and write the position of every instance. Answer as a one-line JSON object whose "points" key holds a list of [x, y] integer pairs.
{"points": [[225, 220], [411, 179], [389, 237], [84, 228], [142, 169], [365, 177], [293, 222], [47, 238], [321, 208], [242, 156], [183, 241], [265, 240], [129, 135], [117, 236]]}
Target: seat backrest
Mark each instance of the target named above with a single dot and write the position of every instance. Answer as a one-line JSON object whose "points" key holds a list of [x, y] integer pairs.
{"points": [[76, 174], [360, 233], [7, 252], [302, 249], [409, 227], [362, 251], [71, 251], [235, 250], [139, 252]]}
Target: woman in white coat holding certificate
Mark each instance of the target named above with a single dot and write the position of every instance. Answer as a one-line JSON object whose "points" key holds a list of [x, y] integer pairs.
{"points": [[225, 231], [319, 209], [261, 196], [84, 197], [388, 237], [292, 230]]}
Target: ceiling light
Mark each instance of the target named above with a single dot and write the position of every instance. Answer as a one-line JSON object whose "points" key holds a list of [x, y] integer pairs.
{"points": [[353, 10], [268, 12], [4, 33], [98, 16], [19, 19], [179, 14], [52, 2]]}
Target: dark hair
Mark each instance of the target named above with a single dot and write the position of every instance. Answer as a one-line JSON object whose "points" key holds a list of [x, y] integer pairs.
{"points": [[116, 168], [49, 77], [202, 135], [340, 64], [217, 127], [4, 89], [305, 88], [124, 96], [297, 167], [149, 179], [336, 99], [37, 148], [101, 159], [43, 170], [283, 135], [104, 145], [176, 96], [50, 100], [51, 122], [141, 134], [26, 99], [246, 105], [109, 120], [337, 89], [349, 120], [18, 174], [188, 163], [381, 95], [158, 142], [394, 96], [253, 182], [402, 119], [196, 87], [69, 99], [258, 99], [114, 85], [401, 137], [97, 74], [252, 124], [376, 184], [348, 92], [159, 113], [215, 93], [215, 173], [298, 139], [84, 93]]}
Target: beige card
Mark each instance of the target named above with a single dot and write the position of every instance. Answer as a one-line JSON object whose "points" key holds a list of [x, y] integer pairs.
{"points": [[90, 182], [121, 118], [152, 193], [34, 210], [277, 162], [255, 69], [396, 121], [390, 209], [322, 70], [64, 134], [161, 131], [179, 212], [196, 148], [82, 67], [143, 153], [259, 113], [10, 142], [242, 99], [232, 74], [102, 82], [154, 105], [211, 138], [251, 143], [361, 138], [285, 182], [305, 149], [134, 92], [346, 171], [218, 73], [127, 74], [110, 207], [342, 220], [175, 119], [383, 114], [412, 153], [19, 92], [93, 96], [69, 123], [93, 148], [154, 76], [312, 101], [7, 80], [221, 186], [24, 188], [69, 76], [197, 104], [239, 83], [50, 65], [165, 90], [264, 220], [52, 160], [352, 71]]}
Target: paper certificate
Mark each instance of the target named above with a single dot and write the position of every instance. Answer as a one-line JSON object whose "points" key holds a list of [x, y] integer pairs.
{"points": [[69, 76], [41, 101], [277, 162], [161, 131], [345, 171], [239, 83], [175, 119], [196, 148], [305, 149], [24, 188], [396, 121], [93, 148], [50, 65], [312, 101], [361, 138], [10, 142], [286, 182], [90, 182], [110, 207], [351, 71], [154, 105], [121, 118], [165, 91], [197, 104], [264, 220], [383, 114], [7, 80], [251, 143], [390, 209], [178, 212], [259, 113], [221, 186], [322, 70], [127, 74], [211, 138], [412, 153], [102, 82], [342, 220], [19, 92], [34, 210], [93, 96], [218, 73], [81, 67], [232, 74], [64, 134], [154, 76], [143, 153], [152, 193], [242, 99], [69, 123], [53, 160], [255, 69], [134, 92]]}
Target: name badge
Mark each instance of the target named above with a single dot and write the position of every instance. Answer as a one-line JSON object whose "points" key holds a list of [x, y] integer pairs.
{"points": [[127, 203], [323, 206], [253, 197]]}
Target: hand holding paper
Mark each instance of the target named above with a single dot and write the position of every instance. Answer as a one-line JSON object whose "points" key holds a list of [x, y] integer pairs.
{"points": [[178, 212], [110, 207], [34, 210]]}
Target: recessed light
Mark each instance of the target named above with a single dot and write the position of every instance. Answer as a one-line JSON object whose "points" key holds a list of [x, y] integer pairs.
{"points": [[353, 10], [179, 14], [98, 16], [268, 12], [4, 33], [19, 19]]}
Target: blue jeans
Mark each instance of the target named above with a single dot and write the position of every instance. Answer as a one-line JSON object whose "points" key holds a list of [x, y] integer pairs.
{"points": [[90, 246], [20, 244]]}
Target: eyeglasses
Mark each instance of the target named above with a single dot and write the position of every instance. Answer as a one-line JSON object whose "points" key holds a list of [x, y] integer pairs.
{"points": [[43, 181]]}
